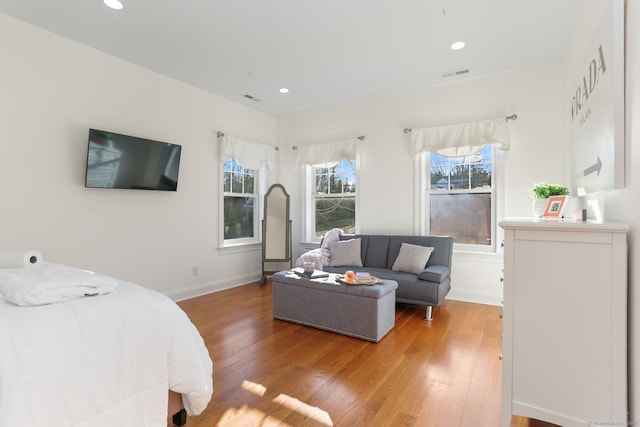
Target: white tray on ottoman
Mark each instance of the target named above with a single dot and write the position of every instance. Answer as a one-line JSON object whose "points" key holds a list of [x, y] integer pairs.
{"points": [[362, 311]]}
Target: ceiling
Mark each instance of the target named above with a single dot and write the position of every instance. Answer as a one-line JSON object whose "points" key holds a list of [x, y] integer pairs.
{"points": [[326, 52]]}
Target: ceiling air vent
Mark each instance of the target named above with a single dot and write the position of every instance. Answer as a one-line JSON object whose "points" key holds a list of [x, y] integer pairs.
{"points": [[253, 98], [455, 73]]}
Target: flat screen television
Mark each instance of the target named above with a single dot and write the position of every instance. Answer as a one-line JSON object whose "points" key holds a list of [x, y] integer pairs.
{"points": [[123, 161]]}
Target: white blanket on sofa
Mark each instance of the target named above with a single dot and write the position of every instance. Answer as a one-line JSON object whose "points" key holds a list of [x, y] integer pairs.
{"points": [[320, 256]]}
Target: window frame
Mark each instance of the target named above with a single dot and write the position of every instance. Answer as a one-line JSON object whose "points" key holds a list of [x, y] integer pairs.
{"points": [[241, 242], [309, 199], [423, 194]]}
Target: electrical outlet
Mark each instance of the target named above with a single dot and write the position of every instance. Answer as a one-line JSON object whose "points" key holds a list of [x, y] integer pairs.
{"points": [[195, 271]]}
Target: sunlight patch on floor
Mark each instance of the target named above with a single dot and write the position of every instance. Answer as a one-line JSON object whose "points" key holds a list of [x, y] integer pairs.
{"points": [[249, 417], [254, 388], [252, 417], [312, 412]]}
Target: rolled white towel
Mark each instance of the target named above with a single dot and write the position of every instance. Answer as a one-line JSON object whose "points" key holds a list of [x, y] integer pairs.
{"points": [[17, 259], [49, 283]]}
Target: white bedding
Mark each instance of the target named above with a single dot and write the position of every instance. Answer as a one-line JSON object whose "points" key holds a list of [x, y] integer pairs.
{"points": [[100, 361]]}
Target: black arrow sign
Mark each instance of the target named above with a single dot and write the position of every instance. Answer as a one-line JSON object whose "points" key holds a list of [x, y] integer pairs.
{"points": [[594, 168]]}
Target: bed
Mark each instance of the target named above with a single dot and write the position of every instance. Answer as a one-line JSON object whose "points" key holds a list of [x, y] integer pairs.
{"points": [[107, 357]]}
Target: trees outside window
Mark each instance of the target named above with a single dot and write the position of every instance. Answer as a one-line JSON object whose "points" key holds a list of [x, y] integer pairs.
{"points": [[334, 198], [461, 197], [240, 202]]}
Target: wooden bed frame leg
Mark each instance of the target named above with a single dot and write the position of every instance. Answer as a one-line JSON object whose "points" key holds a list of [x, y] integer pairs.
{"points": [[176, 410], [180, 418]]}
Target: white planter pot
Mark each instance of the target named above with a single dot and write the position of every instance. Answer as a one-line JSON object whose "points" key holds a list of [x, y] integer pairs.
{"points": [[539, 206]]}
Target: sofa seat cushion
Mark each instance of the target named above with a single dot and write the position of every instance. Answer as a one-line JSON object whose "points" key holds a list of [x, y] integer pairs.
{"points": [[384, 273], [381, 273], [410, 288]]}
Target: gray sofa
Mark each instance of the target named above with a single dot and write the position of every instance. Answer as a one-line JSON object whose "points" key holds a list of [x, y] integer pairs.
{"points": [[378, 254]]}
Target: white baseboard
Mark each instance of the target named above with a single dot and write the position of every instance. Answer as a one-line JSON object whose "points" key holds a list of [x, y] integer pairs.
{"points": [[464, 295], [210, 287], [478, 297]]}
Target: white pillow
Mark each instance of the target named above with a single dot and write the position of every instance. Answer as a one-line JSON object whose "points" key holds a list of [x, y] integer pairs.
{"points": [[412, 258], [345, 253]]}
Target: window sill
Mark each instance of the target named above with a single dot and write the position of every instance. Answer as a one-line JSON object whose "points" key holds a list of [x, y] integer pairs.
{"points": [[239, 248], [308, 244], [488, 257]]}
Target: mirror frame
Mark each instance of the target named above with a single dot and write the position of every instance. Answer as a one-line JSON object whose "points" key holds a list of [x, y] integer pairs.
{"points": [[275, 189]]}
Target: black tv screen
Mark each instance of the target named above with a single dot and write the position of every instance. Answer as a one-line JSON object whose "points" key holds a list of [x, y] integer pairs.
{"points": [[123, 161]]}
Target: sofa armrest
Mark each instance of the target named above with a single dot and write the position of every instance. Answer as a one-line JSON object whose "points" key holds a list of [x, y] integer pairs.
{"points": [[435, 273]]}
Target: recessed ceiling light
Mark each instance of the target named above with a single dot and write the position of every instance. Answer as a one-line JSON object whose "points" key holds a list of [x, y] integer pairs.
{"points": [[113, 4], [284, 90], [457, 45]]}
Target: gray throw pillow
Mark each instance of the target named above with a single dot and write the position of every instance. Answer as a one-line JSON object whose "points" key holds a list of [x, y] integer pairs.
{"points": [[345, 253], [412, 258]]}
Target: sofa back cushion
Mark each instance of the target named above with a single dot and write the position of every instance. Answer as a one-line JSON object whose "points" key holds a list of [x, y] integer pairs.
{"points": [[374, 249], [377, 252], [381, 251]]}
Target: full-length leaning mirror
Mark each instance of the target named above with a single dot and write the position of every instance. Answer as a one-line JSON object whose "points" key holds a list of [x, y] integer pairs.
{"points": [[276, 230]]}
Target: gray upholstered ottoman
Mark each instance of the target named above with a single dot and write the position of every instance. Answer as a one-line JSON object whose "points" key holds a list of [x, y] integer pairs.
{"points": [[364, 311]]}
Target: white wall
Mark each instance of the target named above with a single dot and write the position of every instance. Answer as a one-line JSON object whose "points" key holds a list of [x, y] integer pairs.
{"points": [[626, 204], [623, 205], [52, 91], [387, 166]]}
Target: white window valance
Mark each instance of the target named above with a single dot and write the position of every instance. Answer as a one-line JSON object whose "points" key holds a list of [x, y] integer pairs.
{"points": [[327, 152], [248, 154], [463, 139]]}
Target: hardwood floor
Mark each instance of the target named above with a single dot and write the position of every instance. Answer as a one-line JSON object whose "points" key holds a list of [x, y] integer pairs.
{"points": [[273, 373]]}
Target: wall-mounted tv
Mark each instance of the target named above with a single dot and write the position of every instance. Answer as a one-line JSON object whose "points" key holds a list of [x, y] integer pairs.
{"points": [[123, 161]]}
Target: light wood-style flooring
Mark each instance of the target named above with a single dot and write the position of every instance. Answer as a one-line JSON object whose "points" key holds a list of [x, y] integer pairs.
{"points": [[273, 373]]}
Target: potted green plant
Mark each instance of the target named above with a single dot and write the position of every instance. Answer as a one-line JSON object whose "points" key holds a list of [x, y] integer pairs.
{"points": [[541, 192], [544, 191]]}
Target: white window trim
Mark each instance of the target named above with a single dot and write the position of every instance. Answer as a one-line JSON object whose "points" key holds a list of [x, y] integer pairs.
{"points": [[308, 206], [422, 193], [308, 211], [226, 246]]}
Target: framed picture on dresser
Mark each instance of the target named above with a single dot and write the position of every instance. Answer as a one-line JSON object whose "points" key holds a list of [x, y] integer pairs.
{"points": [[555, 206]]}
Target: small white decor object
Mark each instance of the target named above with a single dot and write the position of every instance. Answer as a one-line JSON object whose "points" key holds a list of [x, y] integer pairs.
{"points": [[539, 205], [16, 259]]}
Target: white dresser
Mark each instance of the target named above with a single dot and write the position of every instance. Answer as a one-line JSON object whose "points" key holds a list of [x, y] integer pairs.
{"points": [[565, 322]]}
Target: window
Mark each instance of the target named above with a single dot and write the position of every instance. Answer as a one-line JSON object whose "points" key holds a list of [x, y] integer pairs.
{"points": [[461, 198], [333, 198], [240, 203]]}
